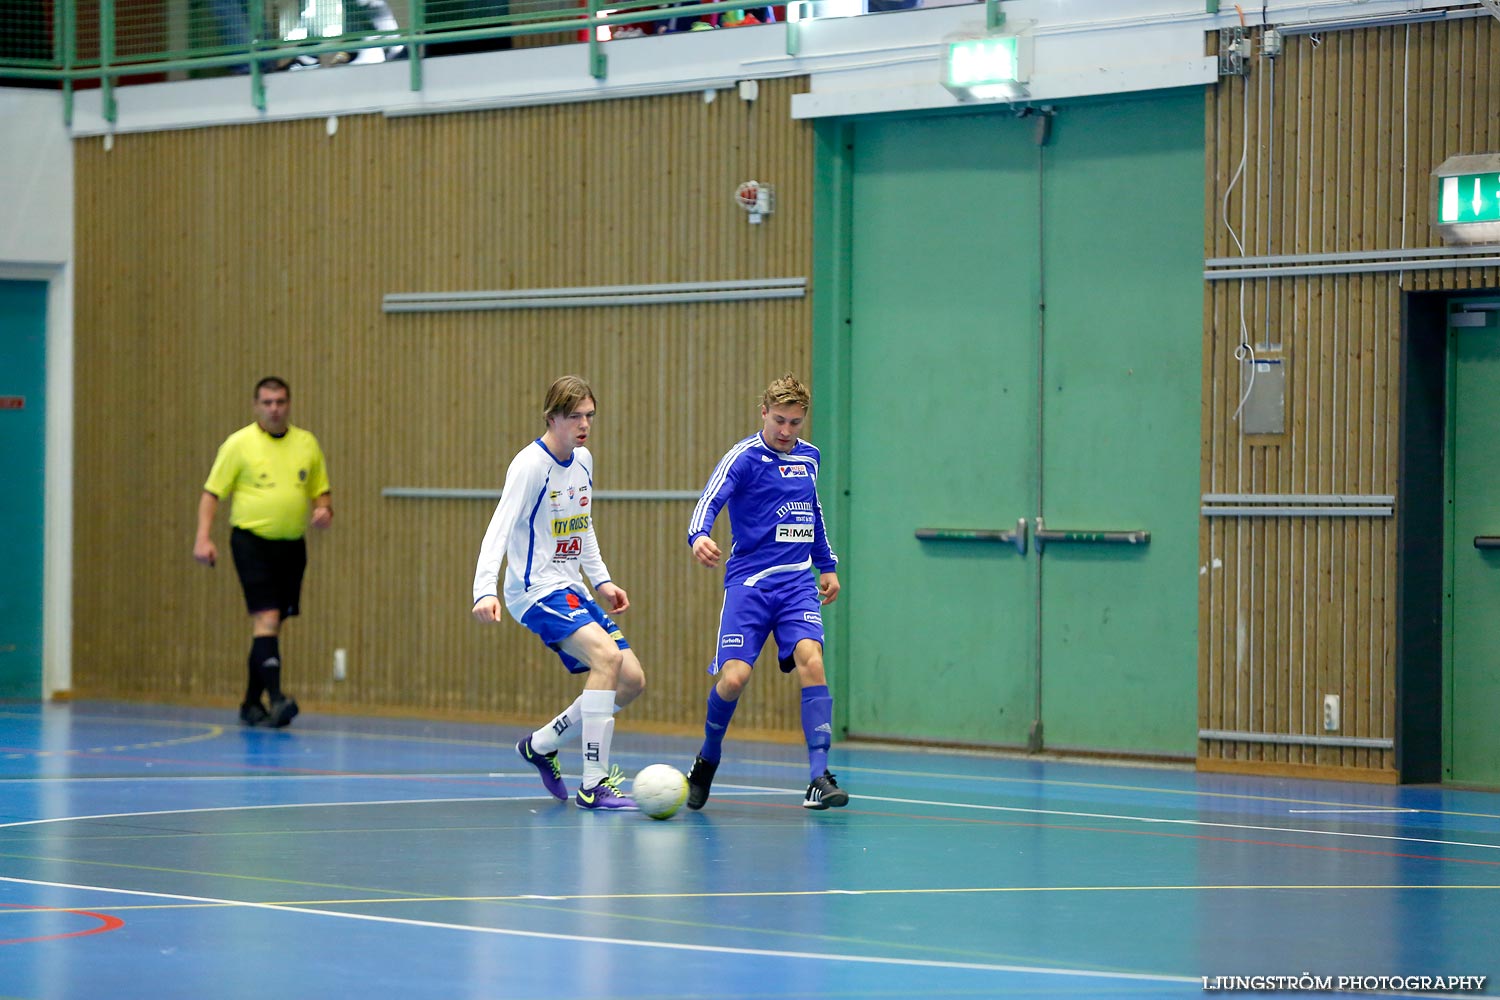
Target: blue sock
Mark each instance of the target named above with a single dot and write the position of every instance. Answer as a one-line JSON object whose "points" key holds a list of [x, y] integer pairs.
{"points": [[817, 726], [715, 722]]}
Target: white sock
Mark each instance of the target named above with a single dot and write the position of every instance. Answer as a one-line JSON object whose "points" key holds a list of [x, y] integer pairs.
{"points": [[598, 728], [563, 729]]}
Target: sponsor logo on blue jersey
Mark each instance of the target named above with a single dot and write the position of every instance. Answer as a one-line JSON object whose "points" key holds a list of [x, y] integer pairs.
{"points": [[792, 471]]}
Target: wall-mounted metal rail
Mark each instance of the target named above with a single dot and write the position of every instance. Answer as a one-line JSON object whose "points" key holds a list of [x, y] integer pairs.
{"points": [[1356, 262], [1298, 504], [1296, 739], [739, 290]]}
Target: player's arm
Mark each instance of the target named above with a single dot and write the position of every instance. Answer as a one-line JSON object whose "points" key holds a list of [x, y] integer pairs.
{"points": [[520, 482], [716, 493], [204, 549]]}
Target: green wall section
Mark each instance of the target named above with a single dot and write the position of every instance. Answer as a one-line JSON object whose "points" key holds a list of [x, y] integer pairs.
{"points": [[1011, 327], [23, 337]]}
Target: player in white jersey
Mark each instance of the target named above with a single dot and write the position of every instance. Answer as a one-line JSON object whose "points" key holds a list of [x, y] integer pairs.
{"points": [[769, 482], [543, 531]]}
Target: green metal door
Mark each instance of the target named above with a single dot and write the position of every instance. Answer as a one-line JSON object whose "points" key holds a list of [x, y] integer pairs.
{"points": [[1122, 266], [942, 428], [1472, 675], [23, 309], [1025, 340]]}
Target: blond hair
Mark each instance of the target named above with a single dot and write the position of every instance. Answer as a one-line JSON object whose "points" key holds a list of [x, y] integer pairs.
{"points": [[566, 393], [786, 391]]}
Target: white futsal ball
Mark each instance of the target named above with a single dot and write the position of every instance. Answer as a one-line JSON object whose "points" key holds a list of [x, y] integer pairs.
{"points": [[659, 790]]}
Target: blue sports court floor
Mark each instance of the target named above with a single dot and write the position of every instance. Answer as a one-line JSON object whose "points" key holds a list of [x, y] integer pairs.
{"points": [[164, 852]]}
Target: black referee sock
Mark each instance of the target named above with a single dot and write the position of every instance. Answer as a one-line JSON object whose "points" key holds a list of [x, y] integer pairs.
{"points": [[256, 686], [265, 665]]}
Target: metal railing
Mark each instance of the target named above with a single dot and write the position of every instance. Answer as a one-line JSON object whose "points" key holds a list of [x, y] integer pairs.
{"points": [[110, 42]]}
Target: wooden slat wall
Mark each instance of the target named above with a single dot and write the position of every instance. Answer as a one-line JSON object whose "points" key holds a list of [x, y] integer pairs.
{"points": [[212, 257], [1343, 132]]}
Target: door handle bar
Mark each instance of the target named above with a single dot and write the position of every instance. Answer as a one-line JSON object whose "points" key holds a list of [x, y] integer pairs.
{"points": [[1487, 541], [1016, 537], [1043, 536]]}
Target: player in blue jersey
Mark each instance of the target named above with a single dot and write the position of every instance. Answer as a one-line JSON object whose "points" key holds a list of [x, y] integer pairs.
{"points": [[770, 483], [543, 530]]}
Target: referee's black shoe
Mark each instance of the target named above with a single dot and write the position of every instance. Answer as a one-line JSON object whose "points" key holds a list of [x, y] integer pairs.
{"points": [[253, 713], [283, 711]]}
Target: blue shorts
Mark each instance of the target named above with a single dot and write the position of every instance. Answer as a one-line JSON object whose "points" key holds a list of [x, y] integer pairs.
{"points": [[791, 614], [560, 614]]}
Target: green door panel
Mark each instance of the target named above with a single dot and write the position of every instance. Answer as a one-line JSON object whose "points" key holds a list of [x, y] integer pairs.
{"points": [[23, 310], [1123, 262], [942, 427], [1472, 691]]}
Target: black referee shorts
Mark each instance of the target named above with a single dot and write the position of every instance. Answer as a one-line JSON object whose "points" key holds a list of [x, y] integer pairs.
{"points": [[270, 570]]}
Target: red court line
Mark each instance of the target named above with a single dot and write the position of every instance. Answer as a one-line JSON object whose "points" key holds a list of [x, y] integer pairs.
{"points": [[107, 923]]}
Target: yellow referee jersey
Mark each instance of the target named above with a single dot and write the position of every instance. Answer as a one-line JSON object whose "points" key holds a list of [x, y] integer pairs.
{"points": [[274, 480]]}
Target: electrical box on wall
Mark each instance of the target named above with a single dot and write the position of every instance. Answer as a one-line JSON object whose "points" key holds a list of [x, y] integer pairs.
{"points": [[1263, 385]]}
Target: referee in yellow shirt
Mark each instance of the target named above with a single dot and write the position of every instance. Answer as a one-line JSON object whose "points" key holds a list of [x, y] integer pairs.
{"points": [[280, 484]]}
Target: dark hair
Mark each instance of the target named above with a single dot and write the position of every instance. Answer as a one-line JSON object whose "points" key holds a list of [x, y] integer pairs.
{"points": [[271, 381]]}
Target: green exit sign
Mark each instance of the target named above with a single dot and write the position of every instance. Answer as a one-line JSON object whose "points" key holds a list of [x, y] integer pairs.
{"points": [[990, 67], [975, 62], [1465, 198]]}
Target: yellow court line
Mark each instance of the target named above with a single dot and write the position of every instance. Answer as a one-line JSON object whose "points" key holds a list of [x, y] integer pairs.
{"points": [[201, 874], [212, 731]]}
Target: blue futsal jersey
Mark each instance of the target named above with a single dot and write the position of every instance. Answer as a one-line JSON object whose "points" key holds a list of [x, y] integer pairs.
{"points": [[774, 512]]}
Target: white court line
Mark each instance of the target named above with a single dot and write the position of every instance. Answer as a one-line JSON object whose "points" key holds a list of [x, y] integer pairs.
{"points": [[279, 805], [625, 942], [754, 789], [1205, 824], [1369, 809]]}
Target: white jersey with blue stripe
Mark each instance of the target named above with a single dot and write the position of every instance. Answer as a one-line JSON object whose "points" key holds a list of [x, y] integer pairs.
{"points": [[543, 529], [774, 513]]}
